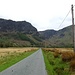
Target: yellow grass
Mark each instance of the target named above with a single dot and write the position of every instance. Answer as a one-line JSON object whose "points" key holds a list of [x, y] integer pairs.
{"points": [[60, 49], [5, 51]]}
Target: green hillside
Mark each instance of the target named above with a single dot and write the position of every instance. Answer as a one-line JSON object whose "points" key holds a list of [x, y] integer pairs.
{"points": [[18, 34], [23, 34], [62, 38]]}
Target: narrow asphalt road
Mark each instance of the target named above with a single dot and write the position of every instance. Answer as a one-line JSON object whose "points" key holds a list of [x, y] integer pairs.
{"points": [[32, 65]]}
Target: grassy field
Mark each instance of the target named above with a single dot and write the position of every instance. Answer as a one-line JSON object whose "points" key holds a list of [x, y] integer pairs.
{"points": [[54, 63], [10, 56]]}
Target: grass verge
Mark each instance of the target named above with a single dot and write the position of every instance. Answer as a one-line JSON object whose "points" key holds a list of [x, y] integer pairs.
{"points": [[11, 59], [49, 68], [55, 66]]}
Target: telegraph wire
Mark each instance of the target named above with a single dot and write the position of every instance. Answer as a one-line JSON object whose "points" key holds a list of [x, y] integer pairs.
{"points": [[64, 19]]}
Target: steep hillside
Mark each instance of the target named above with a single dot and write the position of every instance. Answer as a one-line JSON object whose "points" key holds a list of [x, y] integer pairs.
{"points": [[61, 38], [47, 33], [23, 34], [19, 26], [20, 33]]}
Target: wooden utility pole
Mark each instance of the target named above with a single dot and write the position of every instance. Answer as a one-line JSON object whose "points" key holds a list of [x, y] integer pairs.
{"points": [[73, 26]]}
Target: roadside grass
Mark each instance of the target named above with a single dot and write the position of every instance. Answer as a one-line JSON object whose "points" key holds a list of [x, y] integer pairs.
{"points": [[49, 67], [12, 58], [55, 66]]}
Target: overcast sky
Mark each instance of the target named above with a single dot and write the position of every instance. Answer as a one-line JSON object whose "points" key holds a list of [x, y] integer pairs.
{"points": [[42, 14]]}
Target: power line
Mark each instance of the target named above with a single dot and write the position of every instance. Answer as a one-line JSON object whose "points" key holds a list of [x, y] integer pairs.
{"points": [[64, 19]]}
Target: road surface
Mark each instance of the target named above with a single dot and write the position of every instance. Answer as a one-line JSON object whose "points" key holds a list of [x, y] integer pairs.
{"points": [[32, 65]]}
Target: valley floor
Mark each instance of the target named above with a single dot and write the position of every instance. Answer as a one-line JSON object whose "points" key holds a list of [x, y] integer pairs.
{"points": [[32, 65]]}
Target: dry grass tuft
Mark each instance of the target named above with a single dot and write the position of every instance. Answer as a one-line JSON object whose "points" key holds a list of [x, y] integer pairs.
{"points": [[72, 65], [67, 56], [7, 51]]}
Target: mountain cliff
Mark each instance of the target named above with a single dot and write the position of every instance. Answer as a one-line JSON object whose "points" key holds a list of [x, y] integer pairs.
{"points": [[47, 33], [18, 33], [16, 26], [60, 38], [23, 34]]}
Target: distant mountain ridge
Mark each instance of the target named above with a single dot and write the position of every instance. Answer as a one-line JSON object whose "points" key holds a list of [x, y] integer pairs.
{"points": [[60, 38], [18, 33], [23, 34], [47, 33], [16, 26]]}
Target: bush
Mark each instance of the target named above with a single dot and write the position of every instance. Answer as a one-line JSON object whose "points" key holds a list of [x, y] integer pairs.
{"points": [[59, 70], [72, 65], [56, 54], [67, 56]]}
